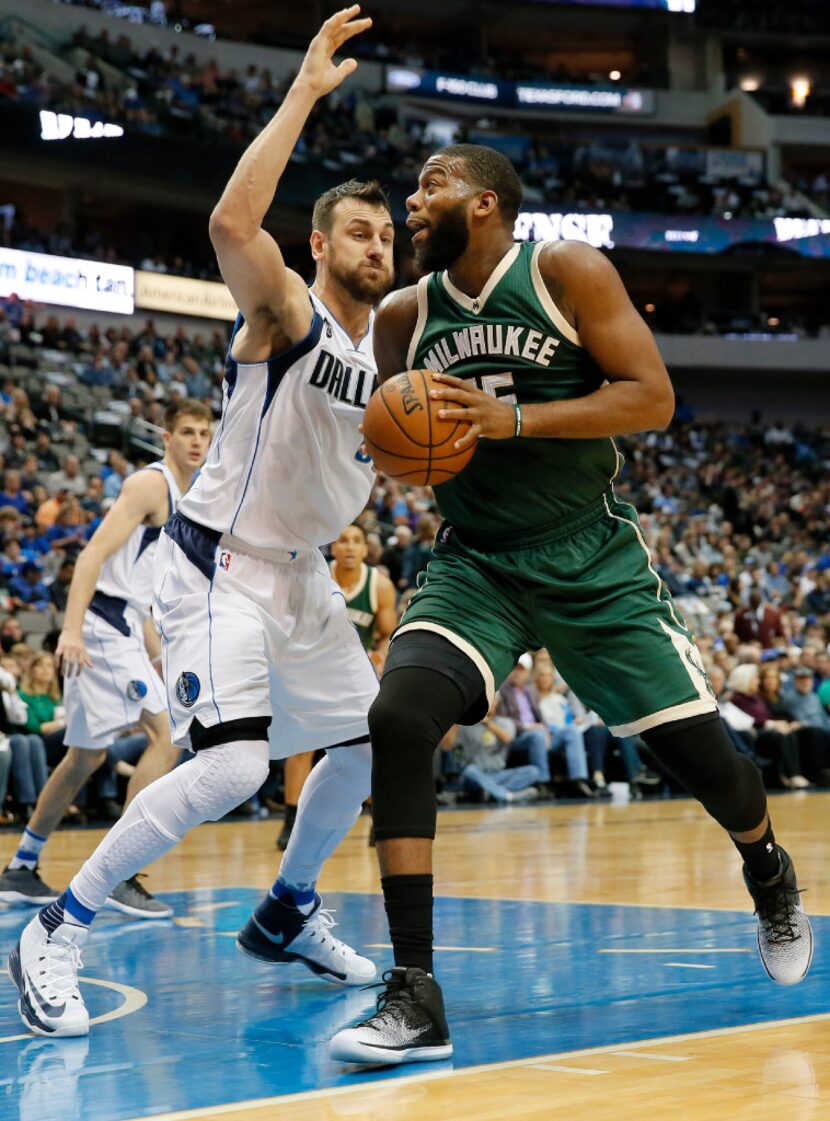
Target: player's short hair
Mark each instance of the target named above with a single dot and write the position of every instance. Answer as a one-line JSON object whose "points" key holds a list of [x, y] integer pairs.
{"points": [[322, 217], [185, 406], [491, 171]]}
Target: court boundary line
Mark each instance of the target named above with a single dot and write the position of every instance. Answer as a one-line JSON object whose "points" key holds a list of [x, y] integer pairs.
{"points": [[134, 1000], [466, 1072]]}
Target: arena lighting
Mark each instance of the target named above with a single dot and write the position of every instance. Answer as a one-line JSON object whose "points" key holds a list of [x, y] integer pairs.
{"points": [[615, 75], [61, 126], [750, 83], [799, 91]]}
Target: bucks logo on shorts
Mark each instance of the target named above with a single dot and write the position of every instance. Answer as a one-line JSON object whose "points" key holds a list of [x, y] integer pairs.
{"points": [[137, 690], [188, 687]]}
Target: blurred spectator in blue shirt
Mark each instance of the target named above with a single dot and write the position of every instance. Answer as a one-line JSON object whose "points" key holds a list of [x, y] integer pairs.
{"points": [[28, 589], [12, 495], [98, 373]]}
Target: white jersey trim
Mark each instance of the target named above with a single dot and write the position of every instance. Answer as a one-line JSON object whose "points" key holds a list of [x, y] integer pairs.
{"points": [[546, 300], [476, 304], [421, 322]]}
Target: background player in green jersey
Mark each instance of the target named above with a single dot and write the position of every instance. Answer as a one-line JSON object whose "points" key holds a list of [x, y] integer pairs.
{"points": [[369, 594], [540, 348]]}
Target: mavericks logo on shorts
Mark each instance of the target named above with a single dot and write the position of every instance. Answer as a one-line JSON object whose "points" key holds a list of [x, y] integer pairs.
{"points": [[188, 687], [137, 690]]}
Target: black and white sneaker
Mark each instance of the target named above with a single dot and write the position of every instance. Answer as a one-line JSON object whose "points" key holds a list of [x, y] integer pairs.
{"points": [[278, 932], [409, 1025], [132, 898], [24, 885], [785, 937], [44, 966]]}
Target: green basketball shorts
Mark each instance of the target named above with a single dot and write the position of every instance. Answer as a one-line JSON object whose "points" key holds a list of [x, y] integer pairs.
{"points": [[588, 592]]}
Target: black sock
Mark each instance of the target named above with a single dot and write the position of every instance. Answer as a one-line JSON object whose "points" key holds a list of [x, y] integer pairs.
{"points": [[408, 901], [760, 857]]}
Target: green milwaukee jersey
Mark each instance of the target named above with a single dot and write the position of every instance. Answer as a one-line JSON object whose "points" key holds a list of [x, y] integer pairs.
{"points": [[516, 344], [362, 604]]}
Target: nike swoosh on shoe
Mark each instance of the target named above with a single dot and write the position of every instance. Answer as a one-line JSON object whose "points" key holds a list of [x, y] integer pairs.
{"points": [[277, 939]]}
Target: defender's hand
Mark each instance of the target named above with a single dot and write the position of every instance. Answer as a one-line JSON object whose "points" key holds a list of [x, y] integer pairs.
{"points": [[71, 654], [487, 416], [318, 73]]}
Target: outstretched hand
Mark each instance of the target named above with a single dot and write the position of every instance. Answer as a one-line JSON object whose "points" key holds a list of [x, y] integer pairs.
{"points": [[318, 72]]}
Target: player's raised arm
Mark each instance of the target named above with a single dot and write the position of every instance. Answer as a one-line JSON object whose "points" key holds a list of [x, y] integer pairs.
{"points": [[141, 495], [249, 258], [394, 324]]}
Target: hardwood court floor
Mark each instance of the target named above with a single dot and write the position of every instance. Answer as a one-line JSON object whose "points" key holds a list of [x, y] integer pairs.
{"points": [[598, 963]]}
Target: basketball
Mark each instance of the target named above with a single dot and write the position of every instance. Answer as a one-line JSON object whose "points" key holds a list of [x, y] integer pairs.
{"points": [[405, 436]]}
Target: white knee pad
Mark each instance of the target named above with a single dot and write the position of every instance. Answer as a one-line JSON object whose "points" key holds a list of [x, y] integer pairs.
{"points": [[329, 806], [203, 789], [219, 778]]}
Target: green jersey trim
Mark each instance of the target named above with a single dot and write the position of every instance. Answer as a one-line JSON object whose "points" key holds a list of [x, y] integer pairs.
{"points": [[546, 300]]}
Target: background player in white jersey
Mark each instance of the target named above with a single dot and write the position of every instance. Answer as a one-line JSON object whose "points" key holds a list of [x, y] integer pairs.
{"points": [[254, 632], [106, 647]]}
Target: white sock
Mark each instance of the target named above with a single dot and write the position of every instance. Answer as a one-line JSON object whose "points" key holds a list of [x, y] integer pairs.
{"points": [[28, 851], [329, 806], [204, 788]]}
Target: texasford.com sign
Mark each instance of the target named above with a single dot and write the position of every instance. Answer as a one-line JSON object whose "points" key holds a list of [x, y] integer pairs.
{"points": [[67, 281]]}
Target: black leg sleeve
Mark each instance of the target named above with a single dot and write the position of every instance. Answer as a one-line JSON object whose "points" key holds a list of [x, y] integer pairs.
{"points": [[701, 756], [413, 711]]}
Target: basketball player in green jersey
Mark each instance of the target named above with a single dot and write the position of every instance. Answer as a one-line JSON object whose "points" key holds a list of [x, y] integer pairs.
{"points": [[370, 605], [540, 349], [369, 594]]}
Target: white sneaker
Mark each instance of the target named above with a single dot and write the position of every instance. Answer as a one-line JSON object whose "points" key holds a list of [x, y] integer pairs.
{"points": [[279, 933], [527, 794], [44, 966]]}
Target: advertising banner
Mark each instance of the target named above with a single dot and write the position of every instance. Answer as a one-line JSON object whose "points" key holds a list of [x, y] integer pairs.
{"points": [[67, 281], [181, 295], [610, 99], [809, 237]]}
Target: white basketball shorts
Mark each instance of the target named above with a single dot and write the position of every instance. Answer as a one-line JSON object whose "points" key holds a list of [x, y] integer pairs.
{"points": [[110, 696], [245, 637]]}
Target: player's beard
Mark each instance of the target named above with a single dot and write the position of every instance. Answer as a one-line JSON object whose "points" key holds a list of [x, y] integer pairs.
{"points": [[364, 285], [447, 241]]}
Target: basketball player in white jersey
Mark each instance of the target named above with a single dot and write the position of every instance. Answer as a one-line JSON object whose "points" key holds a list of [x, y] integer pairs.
{"points": [[107, 648], [370, 606], [256, 641]]}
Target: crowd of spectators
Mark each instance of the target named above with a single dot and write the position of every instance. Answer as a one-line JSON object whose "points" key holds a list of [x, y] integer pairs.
{"points": [[736, 517], [172, 93]]}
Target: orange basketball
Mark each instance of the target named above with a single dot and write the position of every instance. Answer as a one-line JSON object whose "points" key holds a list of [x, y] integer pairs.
{"points": [[405, 436]]}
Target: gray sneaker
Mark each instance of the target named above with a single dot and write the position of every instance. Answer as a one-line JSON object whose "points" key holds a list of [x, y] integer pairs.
{"points": [[24, 885], [131, 898], [785, 938]]}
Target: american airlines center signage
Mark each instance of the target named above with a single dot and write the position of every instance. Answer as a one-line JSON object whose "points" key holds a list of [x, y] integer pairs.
{"points": [[67, 281], [809, 237]]}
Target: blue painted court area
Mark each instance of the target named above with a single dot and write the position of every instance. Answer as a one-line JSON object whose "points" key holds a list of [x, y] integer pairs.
{"points": [[521, 979]]}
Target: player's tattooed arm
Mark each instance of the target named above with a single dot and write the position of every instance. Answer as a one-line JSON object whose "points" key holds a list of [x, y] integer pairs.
{"points": [[392, 333], [272, 298]]}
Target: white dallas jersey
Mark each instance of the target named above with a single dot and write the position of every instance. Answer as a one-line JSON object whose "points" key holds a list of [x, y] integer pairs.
{"points": [[128, 573], [284, 469]]}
